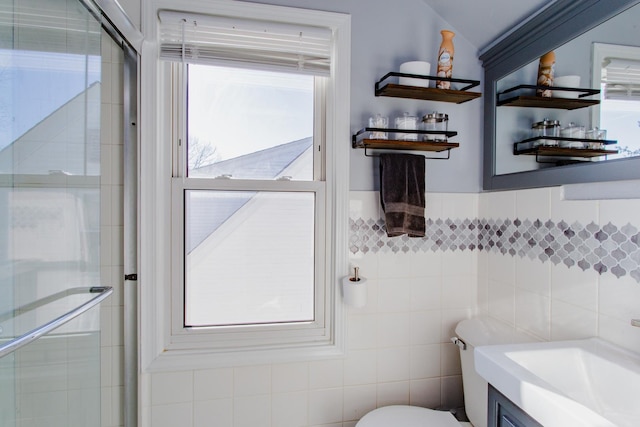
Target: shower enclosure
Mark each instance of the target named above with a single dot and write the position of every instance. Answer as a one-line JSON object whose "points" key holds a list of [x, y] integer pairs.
{"points": [[59, 180]]}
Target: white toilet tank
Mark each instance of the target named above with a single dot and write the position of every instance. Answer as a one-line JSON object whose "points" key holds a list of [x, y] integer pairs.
{"points": [[473, 333]]}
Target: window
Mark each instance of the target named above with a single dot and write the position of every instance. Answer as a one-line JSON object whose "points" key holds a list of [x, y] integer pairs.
{"points": [[250, 255], [258, 220], [616, 72]]}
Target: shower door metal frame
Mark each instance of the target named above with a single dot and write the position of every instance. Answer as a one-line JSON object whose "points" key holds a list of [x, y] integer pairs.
{"points": [[130, 240], [117, 24]]}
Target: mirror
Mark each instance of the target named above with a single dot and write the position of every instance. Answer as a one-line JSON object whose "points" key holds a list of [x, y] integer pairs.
{"points": [[592, 41]]}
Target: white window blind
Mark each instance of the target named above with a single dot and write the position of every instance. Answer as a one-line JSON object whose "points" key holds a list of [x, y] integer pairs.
{"points": [[51, 26], [621, 78], [209, 39]]}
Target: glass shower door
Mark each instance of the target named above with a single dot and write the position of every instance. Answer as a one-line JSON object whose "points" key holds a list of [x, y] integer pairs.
{"points": [[50, 166]]}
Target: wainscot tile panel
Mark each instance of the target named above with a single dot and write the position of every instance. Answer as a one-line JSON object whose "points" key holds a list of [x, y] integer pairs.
{"points": [[609, 248]]}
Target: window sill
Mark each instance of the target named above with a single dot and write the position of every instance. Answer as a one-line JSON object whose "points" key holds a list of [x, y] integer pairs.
{"points": [[180, 359]]}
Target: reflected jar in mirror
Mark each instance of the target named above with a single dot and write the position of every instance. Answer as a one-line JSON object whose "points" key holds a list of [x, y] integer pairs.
{"points": [[596, 135], [435, 122], [547, 128], [572, 130]]}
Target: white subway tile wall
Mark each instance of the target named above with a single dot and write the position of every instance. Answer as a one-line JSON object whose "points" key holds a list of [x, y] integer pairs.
{"points": [[575, 276], [398, 348]]}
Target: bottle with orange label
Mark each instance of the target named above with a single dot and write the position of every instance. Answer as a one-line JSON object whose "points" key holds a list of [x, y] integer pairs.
{"points": [[445, 59]]}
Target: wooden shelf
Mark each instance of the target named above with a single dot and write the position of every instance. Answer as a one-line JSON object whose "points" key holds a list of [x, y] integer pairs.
{"points": [[515, 100], [536, 146], [393, 144], [551, 153], [566, 152], [361, 140], [427, 94], [456, 96], [540, 102]]}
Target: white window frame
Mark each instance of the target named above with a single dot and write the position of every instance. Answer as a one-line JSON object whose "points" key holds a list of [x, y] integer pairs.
{"points": [[162, 345], [600, 51]]}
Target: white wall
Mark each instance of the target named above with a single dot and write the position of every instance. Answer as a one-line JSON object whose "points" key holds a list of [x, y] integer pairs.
{"points": [[133, 10], [398, 344], [418, 289]]}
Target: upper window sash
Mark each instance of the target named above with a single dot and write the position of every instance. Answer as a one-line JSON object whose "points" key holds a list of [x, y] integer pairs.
{"points": [[178, 88]]}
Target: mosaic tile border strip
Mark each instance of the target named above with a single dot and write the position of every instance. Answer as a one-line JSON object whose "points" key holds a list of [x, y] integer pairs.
{"points": [[605, 249]]}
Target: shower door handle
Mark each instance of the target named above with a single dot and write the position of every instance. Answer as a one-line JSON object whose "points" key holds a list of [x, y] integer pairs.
{"points": [[101, 293]]}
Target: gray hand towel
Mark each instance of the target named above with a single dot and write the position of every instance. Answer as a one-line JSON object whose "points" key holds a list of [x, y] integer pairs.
{"points": [[402, 193]]}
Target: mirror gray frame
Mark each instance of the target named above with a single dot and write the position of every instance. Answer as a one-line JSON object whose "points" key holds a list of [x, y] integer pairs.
{"points": [[559, 23]]}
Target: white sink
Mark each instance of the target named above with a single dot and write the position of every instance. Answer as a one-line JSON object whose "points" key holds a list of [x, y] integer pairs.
{"points": [[586, 383]]}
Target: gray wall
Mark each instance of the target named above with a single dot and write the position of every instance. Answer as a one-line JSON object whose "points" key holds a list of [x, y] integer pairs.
{"points": [[385, 34]]}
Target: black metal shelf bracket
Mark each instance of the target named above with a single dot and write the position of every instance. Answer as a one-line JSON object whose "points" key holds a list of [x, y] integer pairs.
{"points": [[448, 150], [583, 91], [469, 83], [354, 137]]}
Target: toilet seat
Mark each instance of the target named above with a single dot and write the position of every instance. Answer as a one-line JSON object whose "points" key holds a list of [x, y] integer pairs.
{"points": [[408, 416]]}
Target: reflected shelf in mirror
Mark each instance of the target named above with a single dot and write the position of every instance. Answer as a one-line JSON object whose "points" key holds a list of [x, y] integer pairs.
{"points": [[570, 29], [516, 98]]}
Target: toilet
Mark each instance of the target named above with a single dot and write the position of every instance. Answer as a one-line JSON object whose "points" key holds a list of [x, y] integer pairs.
{"points": [[470, 333]]}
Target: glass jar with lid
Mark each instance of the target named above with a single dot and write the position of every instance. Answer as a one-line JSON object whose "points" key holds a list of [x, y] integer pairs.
{"points": [[378, 122], [547, 130], [407, 122], [436, 122], [574, 131], [595, 137]]}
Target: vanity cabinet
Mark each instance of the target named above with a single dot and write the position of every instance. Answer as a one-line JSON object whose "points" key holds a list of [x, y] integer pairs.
{"points": [[504, 413], [362, 139]]}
